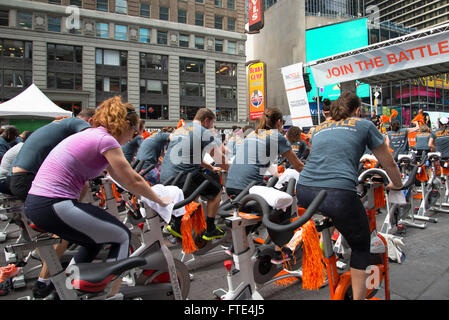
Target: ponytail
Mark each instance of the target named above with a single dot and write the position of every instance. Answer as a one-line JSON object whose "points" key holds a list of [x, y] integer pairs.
{"points": [[344, 106], [269, 119]]}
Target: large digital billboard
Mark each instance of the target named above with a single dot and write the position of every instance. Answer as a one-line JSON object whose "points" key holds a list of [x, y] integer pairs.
{"points": [[329, 40]]}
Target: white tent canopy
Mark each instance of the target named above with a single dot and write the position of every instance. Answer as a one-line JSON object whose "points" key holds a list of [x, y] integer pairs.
{"points": [[32, 102]]}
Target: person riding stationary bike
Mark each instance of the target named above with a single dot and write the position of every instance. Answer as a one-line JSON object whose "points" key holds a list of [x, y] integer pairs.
{"points": [[28, 161], [332, 165], [250, 163], [52, 202], [185, 154]]}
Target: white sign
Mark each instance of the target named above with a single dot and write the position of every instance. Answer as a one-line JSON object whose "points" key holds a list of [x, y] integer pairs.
{"points": [[432, 49], [297, 95]]}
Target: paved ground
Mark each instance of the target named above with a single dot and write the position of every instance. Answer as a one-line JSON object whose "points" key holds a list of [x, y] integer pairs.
{"points": [[423, 275]]}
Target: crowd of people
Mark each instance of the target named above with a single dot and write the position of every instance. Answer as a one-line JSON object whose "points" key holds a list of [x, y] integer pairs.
{"points": [[50, 168]]}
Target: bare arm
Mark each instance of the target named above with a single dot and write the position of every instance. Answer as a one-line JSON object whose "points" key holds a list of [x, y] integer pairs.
{"points": [[387, 161], [414, 129], [432, 144], [121, 171], [293, 159]]}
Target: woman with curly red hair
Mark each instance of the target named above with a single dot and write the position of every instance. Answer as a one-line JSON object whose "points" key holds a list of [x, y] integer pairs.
{"points": [[52, 202]]}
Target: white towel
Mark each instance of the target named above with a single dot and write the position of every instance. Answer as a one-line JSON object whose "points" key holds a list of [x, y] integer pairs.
{"points": [[166, 191], [275, 198], [286, 176], [397, 196], [162, 191]]}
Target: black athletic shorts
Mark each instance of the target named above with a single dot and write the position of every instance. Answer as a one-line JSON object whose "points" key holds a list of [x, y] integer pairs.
{"points": [[20, 184], [349, 217], [211, 191]]}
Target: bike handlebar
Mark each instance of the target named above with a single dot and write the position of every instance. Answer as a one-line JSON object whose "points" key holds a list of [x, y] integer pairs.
{"points": [[192, 197], [311, 209]]}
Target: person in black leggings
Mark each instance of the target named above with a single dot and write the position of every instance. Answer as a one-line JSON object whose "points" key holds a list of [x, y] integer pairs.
{"points": [[337, 146]]}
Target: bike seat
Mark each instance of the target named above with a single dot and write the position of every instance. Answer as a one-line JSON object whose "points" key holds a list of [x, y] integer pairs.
{"points": [[432, 156], [94, 277]]}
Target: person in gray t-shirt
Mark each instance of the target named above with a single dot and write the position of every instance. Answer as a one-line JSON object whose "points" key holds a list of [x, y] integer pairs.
{"points": [[439, 139], [130, 149], [332, 165], [153, 147], [397, 138], [422, 139], [258, 151]]}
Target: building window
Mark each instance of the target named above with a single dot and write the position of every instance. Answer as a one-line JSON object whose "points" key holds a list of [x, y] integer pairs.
{"points": [[153, 61], [231, 47], [199, 18], [64, 53], [226, 69], [162, 37], [24, 20], [54, 24], [144, 9], [226, 92], [163, 13], [102, 30], [4, 18], [231, 24], [231, 4], [182, 16], [144, 35], [153, 87], [184, 40], [199, 1], [17, 78], [121, 6], [218, 45], [78, 3], [68, 81], [218, 3], [111, 57], [199, 42], [191, 65], [102, 5], [188, 112], [226, 114], [54, 1], [16, 48], [218, 22], [155, 112], [121, 32], [111, 84]]}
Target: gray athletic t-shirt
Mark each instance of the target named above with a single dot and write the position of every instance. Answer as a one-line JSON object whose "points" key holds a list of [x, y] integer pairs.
{"points": [[130, 149], [422, 141], [335, 153], [399, 140], [152, 147], [43, 140], [253, 157], [186, 150], [441, 138]]}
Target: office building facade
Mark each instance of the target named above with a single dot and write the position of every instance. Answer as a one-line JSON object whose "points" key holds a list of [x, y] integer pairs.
{"points": [[168, 58]]}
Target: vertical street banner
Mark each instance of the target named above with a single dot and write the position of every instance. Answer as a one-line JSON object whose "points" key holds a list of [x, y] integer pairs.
{"points": [[256, 77], [255, 15], [297, 95]]}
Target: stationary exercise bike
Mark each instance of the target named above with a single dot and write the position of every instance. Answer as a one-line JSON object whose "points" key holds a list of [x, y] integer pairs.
{"points": [[253, 268], [153, 271], [404, 214]]}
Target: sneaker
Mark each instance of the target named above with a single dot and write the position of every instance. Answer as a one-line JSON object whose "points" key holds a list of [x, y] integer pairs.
{"points": [[175, 228], [279, 258], [41, 290], [217, 233], [9, 272]]}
